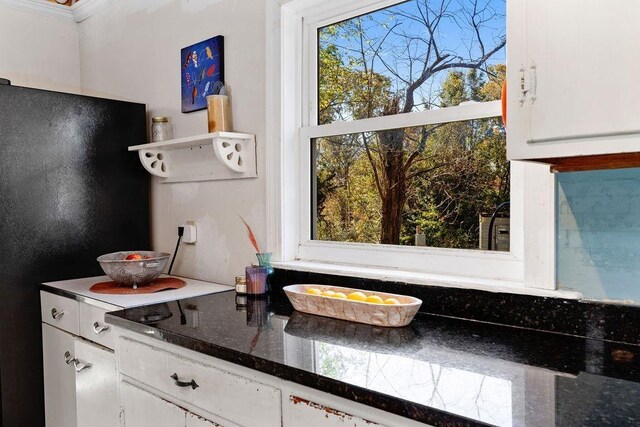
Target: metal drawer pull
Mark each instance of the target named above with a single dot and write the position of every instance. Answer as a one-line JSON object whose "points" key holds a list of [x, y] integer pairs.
{"points": [[81, 366], [68, 359], [100, 329], [179, 383], [55, 313]]}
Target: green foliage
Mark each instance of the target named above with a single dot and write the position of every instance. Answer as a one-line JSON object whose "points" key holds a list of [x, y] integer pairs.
{"points": [[346, 92], [454, 89], [450, 174]]}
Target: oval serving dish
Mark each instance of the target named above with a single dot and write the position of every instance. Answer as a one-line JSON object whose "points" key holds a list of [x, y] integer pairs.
{"points": [[386, 315]]}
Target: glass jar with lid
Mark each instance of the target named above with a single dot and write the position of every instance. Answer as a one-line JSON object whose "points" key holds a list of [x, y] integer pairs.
{"points": [[161, 129]]}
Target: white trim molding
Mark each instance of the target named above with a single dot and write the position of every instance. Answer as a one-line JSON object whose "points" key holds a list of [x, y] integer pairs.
{"points": [[476, 110], [87, 8], [445, 281], [76, 13], [528, 268], [41, 7]]}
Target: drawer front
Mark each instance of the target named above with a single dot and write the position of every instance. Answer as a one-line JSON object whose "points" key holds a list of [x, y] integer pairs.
{"points": [[224, 394], [195, 421], [59, 311], [318, 415], [93, 326]]}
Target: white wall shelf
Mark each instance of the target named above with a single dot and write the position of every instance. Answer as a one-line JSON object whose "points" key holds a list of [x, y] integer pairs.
{"points": [[208, 157]]}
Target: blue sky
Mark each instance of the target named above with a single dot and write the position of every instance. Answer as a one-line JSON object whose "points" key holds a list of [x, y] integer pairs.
{"points": [[400, 38]]}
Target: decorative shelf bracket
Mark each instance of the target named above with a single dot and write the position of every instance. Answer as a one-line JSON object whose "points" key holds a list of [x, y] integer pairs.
{"points": [[212, 156]]}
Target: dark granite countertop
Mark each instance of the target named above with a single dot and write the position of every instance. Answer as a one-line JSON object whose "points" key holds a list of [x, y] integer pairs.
{"points": [[438, 370]]}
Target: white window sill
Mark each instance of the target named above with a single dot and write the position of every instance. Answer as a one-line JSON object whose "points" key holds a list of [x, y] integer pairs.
{"points": [[421, 278]]}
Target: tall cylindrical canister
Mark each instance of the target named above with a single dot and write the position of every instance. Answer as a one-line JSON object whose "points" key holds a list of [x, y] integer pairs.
{"points": [[219, 113]]}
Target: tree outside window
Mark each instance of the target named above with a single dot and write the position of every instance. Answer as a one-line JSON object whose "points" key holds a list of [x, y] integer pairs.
{"points": [[438, 180]]}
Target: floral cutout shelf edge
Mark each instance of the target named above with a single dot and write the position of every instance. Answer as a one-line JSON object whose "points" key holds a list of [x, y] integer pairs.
{"points": [[212, 156]]}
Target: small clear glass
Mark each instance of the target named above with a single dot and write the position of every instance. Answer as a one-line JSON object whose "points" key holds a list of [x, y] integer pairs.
{"points": [[264, 260], [256, 280]]}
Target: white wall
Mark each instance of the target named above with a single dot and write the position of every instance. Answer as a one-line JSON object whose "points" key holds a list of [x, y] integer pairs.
{"points": [[39, 51], [131, 51]]}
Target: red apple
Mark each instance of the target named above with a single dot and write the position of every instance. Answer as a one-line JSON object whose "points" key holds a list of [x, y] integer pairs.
{"points": [[133, 257]]}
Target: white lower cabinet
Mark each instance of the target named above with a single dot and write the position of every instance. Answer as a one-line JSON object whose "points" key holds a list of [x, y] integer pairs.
{"points": [[80, 376], [226, 395], [163, 385], [80, 381], [194, 420], [143, 409], [96, 385], [317, 414], [59, 377]]}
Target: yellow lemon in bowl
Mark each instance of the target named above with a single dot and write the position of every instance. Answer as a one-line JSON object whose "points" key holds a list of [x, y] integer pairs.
{"points": [[314, 291], [328, 293], [391, 301], [357, 296], [374, 299], [339, 295]]}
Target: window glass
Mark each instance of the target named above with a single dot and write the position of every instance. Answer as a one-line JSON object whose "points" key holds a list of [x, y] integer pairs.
{"points": [[432, 185], [400, 59], [443, 185]]}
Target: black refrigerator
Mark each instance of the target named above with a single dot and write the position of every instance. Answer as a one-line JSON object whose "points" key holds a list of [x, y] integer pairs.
{"points": [[69, 192]]}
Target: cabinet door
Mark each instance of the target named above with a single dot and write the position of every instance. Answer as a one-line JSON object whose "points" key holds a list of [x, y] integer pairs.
{"points": [[96, 385], [585, 82], [143, 409], [299, 411], [194, 420], [59, 377]]}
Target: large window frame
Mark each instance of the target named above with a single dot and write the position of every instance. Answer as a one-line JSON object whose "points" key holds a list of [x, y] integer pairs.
{"points": [[292, 28]]}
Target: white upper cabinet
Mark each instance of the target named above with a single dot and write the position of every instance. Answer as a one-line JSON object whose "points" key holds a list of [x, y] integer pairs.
{"points": [[574, 78]]}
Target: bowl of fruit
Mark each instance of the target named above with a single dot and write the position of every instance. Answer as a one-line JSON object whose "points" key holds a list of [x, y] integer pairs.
{"points": [[134, 268], [373, 308]]}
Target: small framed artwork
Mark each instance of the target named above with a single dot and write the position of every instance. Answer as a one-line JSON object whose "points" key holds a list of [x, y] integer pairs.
{"points": [[202, 69]]}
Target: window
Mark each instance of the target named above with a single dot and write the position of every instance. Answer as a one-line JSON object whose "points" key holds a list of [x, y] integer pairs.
{"points": [[450, 178], [429, 185], [391, 150]]}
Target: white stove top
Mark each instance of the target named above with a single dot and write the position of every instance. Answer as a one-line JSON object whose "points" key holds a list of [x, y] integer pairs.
{"points": [[80, 287]]}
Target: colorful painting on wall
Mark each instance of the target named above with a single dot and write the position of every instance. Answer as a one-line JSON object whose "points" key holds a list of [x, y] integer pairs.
{"points": [[202, 68]]}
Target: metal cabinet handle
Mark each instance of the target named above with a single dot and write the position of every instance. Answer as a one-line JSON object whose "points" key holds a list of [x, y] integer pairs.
{"points": [[100, 329], [533, 83], [523, 89], [81, 366], [179, 383], [68, 358], [55, 313]]}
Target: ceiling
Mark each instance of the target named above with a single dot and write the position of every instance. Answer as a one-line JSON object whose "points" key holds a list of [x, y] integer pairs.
{"points": [[71, 10]]}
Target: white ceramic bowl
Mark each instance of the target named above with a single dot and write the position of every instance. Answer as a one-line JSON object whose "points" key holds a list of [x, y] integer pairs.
{"points": [[387, 315]]}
